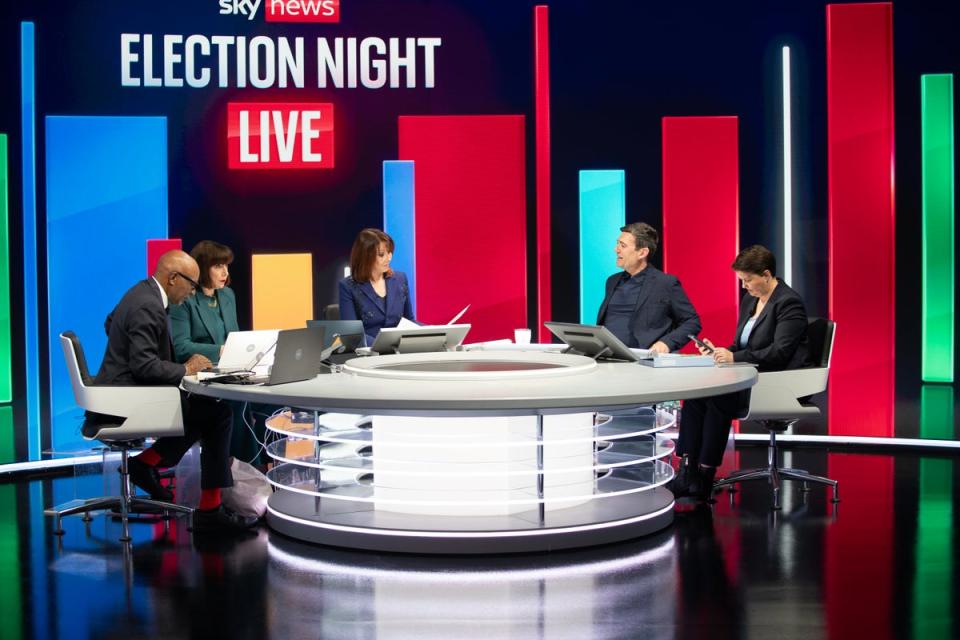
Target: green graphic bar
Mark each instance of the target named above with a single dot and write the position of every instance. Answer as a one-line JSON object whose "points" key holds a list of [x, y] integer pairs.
{"points": [[933, 581], [6, 371], [936, 121]]}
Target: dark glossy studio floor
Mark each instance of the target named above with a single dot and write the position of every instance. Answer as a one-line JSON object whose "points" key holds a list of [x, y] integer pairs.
{"points": [[880, 565]]}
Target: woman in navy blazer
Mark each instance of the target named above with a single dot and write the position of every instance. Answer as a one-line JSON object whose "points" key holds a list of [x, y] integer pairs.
{"points": [[373, 292], [771, 334]]}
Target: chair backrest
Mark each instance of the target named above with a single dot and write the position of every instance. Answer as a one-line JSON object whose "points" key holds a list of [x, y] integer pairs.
{"points": [[820, 334], [76, 360], [331, 312]]}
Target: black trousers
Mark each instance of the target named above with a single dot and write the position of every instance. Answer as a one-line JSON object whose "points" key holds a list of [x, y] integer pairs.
{"points": [[705, 426], [211, 423]]}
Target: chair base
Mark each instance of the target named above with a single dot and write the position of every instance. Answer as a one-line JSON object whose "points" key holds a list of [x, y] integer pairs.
{"points": [[775, 475], [125, 505]]}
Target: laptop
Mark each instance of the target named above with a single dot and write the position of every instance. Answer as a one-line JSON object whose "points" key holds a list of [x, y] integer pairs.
{"points": [[349, 332], [299, 355], [245, 350], [592, 340]]}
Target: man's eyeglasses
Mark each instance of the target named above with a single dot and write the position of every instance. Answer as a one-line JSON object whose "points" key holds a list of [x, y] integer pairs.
{"points": [[193, 283]]}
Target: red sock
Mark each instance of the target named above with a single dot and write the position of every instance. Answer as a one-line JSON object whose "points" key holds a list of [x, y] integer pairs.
{"points": [[150, 458], [209, 499]]}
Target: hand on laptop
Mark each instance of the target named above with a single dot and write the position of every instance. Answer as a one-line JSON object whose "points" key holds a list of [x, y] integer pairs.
{"points": [[196, 363]]}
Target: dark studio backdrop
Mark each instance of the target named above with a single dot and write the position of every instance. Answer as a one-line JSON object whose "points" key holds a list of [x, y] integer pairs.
{"points": [[617, 67]]}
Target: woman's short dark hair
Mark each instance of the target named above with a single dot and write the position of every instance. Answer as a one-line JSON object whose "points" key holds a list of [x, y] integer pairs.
{"points": [[208, 253], [643, 236], [365, 251], [755, 260]]}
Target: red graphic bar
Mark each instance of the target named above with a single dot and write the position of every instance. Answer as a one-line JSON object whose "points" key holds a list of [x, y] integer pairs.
{"points": [[861, 217], [541, 55], [858, 563], [156, 248], [470, 220], [701, 212]]}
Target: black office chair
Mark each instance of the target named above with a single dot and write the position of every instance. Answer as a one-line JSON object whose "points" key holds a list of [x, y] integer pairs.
{"points": [[778, 401], [331, 312], [142, 412]]}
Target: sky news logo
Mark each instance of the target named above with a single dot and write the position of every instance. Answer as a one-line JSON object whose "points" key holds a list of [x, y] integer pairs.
{"points": [[284, 10]]}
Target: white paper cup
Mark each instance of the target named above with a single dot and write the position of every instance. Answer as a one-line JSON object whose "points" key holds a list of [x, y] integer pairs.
{"points": [[521, 336]]}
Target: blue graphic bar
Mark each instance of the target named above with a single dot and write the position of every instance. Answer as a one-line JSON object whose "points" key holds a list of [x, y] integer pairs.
{"points": [[31, 314], [602, 213], [106, 196], [399, 219]]}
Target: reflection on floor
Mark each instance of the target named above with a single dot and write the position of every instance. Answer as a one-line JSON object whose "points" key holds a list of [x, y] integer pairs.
{"points": [[881, 565]]}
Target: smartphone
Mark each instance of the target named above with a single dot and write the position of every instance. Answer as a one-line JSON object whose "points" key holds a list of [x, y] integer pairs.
{"points": [[700, 343]]}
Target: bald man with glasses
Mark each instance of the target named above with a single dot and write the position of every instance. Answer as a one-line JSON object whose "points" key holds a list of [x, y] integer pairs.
{"points": [[140, 352]]}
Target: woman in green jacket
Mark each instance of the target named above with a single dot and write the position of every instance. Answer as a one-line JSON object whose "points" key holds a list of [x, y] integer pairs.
{"points": [[201, 325]]}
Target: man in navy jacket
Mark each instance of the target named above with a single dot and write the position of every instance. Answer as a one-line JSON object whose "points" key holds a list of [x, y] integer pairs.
{"points": [[140, 352], [643, 306]]}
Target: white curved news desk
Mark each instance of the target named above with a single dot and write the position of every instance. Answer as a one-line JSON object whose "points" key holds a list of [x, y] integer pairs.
{"points": [[475, 452]]}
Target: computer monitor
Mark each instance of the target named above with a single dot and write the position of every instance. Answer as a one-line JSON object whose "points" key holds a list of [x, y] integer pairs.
{"points": [[420, 339], [592, 340]]}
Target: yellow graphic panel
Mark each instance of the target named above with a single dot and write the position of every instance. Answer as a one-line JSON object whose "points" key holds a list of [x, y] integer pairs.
{"points": [[282, 290]]}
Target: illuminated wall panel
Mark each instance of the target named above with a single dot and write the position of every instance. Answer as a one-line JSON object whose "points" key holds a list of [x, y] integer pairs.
{"points": [[282, 290], [158, 247], [602, 213], [106, 196], [939, 262], [471, 219], [31, 303], [399, 219], [701, 211], [861, 217], [541, 62], [6, 372]]}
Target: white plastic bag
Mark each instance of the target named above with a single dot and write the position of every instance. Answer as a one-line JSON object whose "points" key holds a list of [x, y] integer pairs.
{"points": [[250, 491]]}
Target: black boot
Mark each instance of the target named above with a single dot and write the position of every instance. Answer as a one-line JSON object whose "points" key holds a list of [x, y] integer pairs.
{"points": [[702, 487], [684, 479]]}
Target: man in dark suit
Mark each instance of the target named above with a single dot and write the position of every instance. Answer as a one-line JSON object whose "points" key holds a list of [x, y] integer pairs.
{"points": [[140, 352], [643, 306]]}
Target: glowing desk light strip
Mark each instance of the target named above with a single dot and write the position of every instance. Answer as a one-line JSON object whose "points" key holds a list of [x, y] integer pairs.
{"points": [[399, 219], [787, 173], [939, 262], [6, 372], [31, 318], [602, 213]]}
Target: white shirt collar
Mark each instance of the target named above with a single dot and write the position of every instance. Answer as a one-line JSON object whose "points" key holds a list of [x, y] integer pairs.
{"points": [[163, 294]]}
